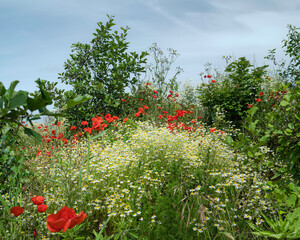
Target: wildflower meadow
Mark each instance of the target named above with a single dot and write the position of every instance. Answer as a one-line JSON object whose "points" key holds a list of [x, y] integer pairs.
{"points": [[164, 161]]}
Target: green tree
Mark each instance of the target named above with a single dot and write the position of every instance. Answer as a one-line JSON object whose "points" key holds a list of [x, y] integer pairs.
{"points": [[239, 87], [102, 69]]}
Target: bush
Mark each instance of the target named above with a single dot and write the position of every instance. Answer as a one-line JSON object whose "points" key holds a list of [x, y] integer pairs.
{"points": [[233, 93], [101, 69]]}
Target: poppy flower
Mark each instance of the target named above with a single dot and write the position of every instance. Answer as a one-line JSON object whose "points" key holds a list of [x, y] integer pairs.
{"points": [[208, 76], [154, 96], [258, 100], [84, 123], [148, 84], [155, 91], [204, 76], [73, 128], [38, 200], [261, 93], [159, 108], [17, 211], [123, 100], [212, 129], [42, 208], [64, 219], [213, 81]]}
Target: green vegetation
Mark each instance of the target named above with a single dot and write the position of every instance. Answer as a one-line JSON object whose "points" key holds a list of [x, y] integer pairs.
{"points": [[216, 161]]}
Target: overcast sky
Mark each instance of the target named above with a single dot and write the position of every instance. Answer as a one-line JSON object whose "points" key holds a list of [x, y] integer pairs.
{"points": [[36, 35]]}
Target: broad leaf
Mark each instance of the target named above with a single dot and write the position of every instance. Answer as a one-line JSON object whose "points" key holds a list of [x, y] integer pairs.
{"points": [[18, 100], [34, 134]]}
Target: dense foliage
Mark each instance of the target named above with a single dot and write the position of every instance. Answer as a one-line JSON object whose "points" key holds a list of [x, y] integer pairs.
{"points": [[219, 161], [102, 69]]}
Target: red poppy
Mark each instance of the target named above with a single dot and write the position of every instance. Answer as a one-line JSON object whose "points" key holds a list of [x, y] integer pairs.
{"points": [[148, 84], [209, 76], [258, 100], [84, 123], [123, 100], [145, 107], [154, 96], [212, 129], [73, 128], [159, 108], [204, 76], [160, 116], [64, 219], [16, 211], [38, 200], [213, 81], [155, 91], [42, 208], [125, 120], [249, 106], [261, 93]]}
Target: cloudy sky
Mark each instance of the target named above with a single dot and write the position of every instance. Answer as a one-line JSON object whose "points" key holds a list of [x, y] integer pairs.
{"points": [[36, 35]]}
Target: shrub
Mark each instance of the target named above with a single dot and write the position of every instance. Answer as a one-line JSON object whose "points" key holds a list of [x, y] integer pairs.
{"points": [[233, 93], [101, 69]]}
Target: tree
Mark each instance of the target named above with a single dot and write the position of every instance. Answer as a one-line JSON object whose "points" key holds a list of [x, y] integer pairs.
{"points": [[102, 69]]}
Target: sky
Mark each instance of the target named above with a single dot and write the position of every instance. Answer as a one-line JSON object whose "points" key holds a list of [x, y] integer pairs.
{"points": [[36, 35]]}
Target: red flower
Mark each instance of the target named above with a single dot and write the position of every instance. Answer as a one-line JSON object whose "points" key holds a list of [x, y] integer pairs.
{"points": [[249, 106], [148, 84], [170, 92], [204, 76], [154, 96], [84, 123], [155, 91], [159, 108], [209, 76], [160, 116], [213, 81], [145, 107], [258, 100], [16, 211], [125, 120], [38, 200], [176, 94], [123, 100], [64, 219], [261, 93], [42, 208], [87, 129], [212, 129], [73, 128]]}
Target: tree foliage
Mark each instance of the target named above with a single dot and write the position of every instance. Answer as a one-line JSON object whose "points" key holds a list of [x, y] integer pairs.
{"points": [[102, 69]]}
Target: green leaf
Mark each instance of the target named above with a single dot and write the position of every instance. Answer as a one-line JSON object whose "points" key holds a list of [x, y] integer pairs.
{"points": [[18, 100], [98, 135], [284, 103], [229, 140], [34, 134], [9, 92], [2, 89], [250, 154], [253, 110], [78, 100]]}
